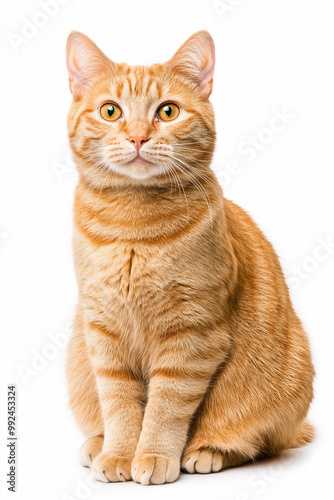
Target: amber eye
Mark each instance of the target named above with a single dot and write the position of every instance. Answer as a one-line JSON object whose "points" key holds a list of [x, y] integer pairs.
{"points": [[110, 111], [168, 112]]}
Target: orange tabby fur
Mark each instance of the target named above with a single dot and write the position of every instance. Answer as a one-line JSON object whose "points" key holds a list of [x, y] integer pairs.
{"points": [[186, 348]]}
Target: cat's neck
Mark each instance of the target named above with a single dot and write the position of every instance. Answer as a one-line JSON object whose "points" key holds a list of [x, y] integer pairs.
{"points": [[144, 213]]}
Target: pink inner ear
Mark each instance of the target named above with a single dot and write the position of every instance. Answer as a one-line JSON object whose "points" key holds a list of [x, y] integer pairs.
{"points": [[196, 60], [76, 78], [75, 73], [76, 85], [85, 61], [206, 76], [207, 72]]}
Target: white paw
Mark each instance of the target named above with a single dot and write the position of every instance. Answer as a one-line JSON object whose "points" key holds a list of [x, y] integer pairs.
{"points": [[90, 449], [202, 461], [151, 468], [109, 468]]}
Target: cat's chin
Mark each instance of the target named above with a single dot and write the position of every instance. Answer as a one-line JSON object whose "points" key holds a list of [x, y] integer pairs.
{"points": [[139, 169]]}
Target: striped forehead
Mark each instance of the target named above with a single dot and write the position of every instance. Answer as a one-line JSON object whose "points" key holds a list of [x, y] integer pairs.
{"points": [[139, 83]]}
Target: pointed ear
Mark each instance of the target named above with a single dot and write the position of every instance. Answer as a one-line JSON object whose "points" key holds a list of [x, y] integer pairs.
{"points": [[85, 61], [195, 60]]}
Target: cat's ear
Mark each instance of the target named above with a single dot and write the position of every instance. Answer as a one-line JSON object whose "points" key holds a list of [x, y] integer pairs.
{"points": [[85, 61], [195, 60]]}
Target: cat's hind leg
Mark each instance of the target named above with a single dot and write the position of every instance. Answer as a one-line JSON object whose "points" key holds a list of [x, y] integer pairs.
{"points": [[220, 436], [205, 460], [237, 422]]}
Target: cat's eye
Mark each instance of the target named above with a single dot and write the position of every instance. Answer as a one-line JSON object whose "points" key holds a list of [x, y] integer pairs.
{"points": [[110, 111], [168, 112]]}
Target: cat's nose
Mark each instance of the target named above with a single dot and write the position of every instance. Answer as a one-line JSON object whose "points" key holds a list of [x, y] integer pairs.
{"points": [[138, 140]]}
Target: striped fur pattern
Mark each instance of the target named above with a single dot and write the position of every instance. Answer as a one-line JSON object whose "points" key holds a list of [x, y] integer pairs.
{"points": [[186, 349]]}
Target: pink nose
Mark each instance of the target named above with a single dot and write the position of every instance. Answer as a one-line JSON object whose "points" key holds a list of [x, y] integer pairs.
{"points": [[138, 140]]}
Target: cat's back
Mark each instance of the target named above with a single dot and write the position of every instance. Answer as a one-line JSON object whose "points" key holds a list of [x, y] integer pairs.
{"points": [[249, 243], [260, 290]]}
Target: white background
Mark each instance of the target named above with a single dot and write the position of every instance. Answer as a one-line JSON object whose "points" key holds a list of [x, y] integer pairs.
{"points": [[270, 55]]}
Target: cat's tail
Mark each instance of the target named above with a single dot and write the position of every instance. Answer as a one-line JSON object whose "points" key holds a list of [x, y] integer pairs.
{"points": [[305, 434]]}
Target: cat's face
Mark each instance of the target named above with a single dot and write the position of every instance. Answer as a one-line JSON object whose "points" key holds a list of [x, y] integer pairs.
{"points": [[146, 125]]}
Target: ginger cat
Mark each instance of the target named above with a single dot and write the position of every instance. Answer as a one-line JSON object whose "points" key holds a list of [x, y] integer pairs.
{"points": [[186, 349]]}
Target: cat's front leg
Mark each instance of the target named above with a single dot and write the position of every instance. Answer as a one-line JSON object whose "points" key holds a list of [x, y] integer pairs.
{"points": [[121, 398], [176, 389], [171, 404]]}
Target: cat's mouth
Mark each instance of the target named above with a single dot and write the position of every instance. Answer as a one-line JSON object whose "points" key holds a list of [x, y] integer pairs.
{"points": [[139, 160], [139, 168], [139, 157]]}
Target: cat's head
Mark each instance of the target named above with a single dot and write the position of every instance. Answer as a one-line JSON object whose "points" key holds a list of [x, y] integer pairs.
{"points": [[137, 124]]}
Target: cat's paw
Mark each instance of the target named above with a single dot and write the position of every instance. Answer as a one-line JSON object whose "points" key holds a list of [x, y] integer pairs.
{"points": [[202, 461], [90, 449], [110, 468], [151, 468]]}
